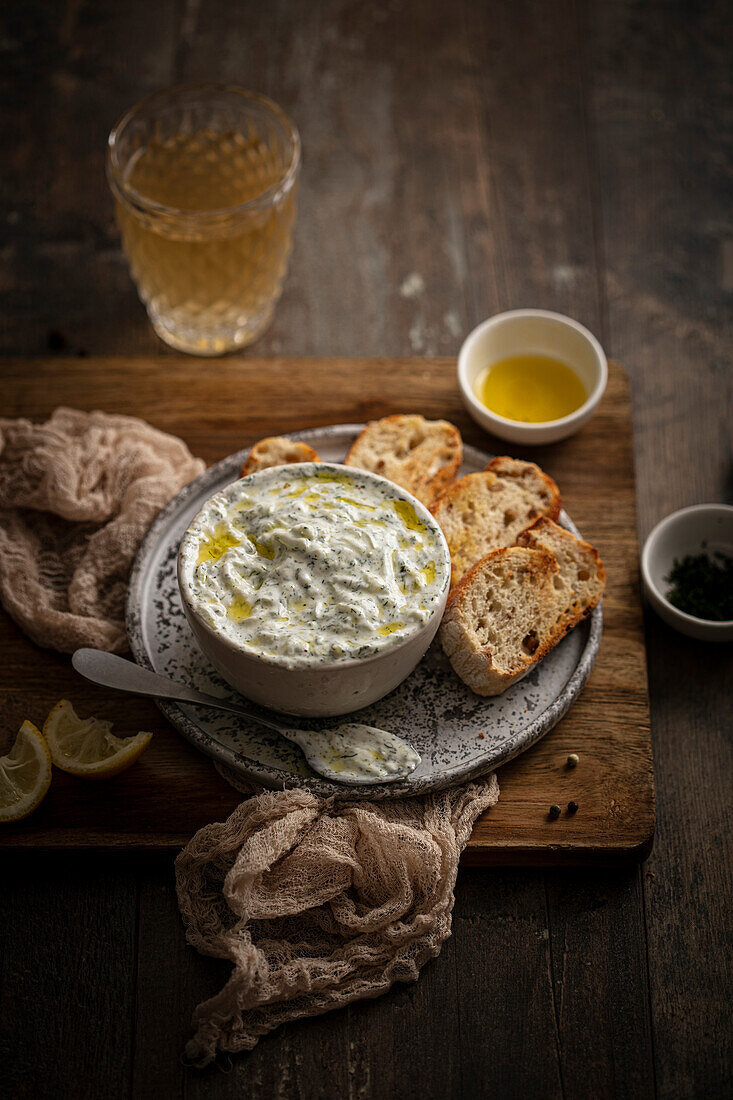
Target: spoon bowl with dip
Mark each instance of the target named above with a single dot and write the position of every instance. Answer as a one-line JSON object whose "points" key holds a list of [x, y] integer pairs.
{"points": [[351, 753]]}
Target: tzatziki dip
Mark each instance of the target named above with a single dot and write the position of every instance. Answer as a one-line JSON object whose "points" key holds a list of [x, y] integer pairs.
{"points": [[313, 563]]}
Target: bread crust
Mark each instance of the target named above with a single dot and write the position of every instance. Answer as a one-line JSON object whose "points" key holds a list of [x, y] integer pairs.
{"points": [[277, 450], [530, 474], [554, 590], [586, 592], [477, 664], [423, 456], [484, 511]]}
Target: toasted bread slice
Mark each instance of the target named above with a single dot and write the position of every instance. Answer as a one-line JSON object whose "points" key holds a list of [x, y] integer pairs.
{"points": [[582, 576], [484, 511], [423, 456], [535, 480], [509, 610], [277, 450], [498, 620]]}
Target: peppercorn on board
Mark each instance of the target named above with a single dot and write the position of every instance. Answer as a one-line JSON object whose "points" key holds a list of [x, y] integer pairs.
{"points": [[172, 790]]}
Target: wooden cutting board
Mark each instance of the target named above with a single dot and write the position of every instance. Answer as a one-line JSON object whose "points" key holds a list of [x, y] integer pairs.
{"points": [[219, 406]]}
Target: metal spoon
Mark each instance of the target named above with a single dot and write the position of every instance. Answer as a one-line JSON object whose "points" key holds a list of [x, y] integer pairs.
{"points": [[351, 753]]}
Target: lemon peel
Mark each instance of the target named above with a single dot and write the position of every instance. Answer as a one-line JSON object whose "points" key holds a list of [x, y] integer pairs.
{"points": [[86, 747], [25, 774]]}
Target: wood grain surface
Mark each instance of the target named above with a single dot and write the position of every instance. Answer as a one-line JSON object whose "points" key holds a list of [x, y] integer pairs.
{"points": [[174, 790], [572, 156]]}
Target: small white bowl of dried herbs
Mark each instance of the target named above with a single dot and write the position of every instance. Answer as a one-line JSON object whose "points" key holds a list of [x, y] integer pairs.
{"points": [[687, 570]]}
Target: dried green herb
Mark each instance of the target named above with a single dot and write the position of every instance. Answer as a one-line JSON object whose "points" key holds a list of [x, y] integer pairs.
{"points": [[702, 586]]}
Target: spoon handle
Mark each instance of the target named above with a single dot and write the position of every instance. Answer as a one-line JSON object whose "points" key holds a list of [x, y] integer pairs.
{"points": [[109, 670]]}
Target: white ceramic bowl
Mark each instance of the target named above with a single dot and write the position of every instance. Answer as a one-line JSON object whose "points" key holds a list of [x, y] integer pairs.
{"points": [[690, 531], [321, 688], [532, 332]]}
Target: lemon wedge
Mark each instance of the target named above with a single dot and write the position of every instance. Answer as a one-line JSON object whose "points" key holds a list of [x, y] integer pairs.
{"points": [[86, 746], [25, 774]]}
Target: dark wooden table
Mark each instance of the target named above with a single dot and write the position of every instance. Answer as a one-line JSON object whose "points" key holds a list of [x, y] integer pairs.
{"points": [[573, 156]]}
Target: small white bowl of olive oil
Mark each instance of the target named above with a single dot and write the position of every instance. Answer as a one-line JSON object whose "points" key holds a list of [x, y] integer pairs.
{"points": [[531, 376]]}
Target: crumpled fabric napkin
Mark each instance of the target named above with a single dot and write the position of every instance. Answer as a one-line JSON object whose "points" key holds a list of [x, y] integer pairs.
{"points": [[77, 495], [317, 903]]}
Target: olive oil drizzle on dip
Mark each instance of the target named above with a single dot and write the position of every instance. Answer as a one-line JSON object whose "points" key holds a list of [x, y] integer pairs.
{"points": [[310, 563]]}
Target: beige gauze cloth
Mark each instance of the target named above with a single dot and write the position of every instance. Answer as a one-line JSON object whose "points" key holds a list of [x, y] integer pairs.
{"points": [[77, 495], [315, 903]]}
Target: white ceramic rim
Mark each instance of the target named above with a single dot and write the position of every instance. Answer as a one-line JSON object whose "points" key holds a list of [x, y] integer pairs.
{"points": [[564, 421], [305, 664], [668, 521]]}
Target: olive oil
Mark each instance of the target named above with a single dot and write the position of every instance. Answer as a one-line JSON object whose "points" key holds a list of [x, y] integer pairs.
{"points": [[216, 547], [262, 548], [408, 515], [239, 609], [533, 389], [390, 628]]}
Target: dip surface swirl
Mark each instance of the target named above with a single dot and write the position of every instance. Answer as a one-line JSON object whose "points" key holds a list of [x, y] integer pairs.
{"points": [[313, 563]]}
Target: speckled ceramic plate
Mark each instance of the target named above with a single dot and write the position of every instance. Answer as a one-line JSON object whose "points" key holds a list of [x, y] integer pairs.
{"points": [[433, 709]]}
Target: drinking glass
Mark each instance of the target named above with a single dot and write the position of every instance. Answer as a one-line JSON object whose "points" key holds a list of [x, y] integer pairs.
{"points": [[205, 179]]}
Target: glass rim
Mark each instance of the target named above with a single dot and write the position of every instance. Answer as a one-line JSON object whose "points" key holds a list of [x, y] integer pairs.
{"points": [[146, 206]]}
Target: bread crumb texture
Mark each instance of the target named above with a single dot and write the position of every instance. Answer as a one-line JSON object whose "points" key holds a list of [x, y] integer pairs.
{"points": [[422, 456]]}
